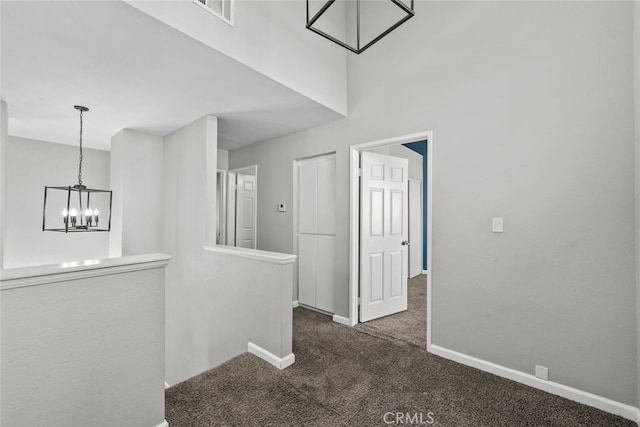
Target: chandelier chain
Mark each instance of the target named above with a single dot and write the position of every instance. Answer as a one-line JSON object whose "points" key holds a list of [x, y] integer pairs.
{"points": [[80, 165]]}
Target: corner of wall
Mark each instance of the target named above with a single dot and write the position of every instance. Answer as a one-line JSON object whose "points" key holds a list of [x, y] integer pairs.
{"points": [[4, 133], [636, 83], [115, 176]]}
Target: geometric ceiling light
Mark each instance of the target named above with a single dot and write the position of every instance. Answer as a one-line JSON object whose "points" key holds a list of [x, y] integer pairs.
{"points": [[357, 24], [76, 208]]}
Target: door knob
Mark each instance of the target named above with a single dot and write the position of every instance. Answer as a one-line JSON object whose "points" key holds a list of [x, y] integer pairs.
{"points": [[405, 243]]}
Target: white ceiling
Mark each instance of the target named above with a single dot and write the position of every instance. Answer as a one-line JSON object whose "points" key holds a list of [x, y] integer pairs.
{"points": [[133, 72]]}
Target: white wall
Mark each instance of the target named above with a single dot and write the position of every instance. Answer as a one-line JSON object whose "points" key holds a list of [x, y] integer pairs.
{"points": [[636, 29], [216, 303], [30, 166], [531, 109], [223, 159], [270, 37], [137, 161], [3, 180], [83, 347]]}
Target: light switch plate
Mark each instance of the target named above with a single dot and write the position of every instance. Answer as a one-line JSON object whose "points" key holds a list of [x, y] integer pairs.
{"points": [[497, 226], [282, 207]]}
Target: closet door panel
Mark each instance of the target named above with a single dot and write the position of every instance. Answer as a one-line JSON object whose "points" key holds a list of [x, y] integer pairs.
{"points": [[325, 273], [307, 265], [308, 198], [326, 216]]}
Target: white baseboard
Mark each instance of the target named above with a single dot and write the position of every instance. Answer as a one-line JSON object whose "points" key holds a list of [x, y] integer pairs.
{"points": [[278, 362], [166, 385], [617, 408], [163, 424], [343, 320], [425, 271], [295, 304]]}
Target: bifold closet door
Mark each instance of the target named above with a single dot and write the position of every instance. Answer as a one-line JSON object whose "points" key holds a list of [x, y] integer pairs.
{"points": [[316, 232]]}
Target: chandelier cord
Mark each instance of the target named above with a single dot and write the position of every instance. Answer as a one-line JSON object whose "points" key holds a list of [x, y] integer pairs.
{"points": [[80, 166]]}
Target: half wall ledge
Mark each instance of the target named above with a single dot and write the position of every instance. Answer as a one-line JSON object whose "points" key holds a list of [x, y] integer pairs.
{"points": [[52, 273], [256, 254]]}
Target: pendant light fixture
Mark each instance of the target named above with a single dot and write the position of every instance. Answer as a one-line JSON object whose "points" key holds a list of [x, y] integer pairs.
{"points": [[76, 208], [357, 24]]}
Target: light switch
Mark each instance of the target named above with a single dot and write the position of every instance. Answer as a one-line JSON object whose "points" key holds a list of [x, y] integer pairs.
{"points": [[497, 225], [282, 207]]}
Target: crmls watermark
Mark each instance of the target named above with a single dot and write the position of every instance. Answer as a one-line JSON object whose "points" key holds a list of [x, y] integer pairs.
{"points": [[408, 418]]}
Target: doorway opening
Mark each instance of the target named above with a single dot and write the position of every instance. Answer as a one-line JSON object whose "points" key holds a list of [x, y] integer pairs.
{"points": [[356, 241]]}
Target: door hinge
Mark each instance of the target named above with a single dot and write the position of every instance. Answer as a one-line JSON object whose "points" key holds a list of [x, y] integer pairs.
{"points": [[359, 301], [359, 171]]}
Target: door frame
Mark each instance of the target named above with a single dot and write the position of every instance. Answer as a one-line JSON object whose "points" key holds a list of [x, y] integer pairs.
{"points": [[354, 221], [419, 182]]}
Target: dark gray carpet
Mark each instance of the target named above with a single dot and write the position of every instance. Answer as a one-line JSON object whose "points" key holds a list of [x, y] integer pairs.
{"points": [[409, 325], [344, 377]]}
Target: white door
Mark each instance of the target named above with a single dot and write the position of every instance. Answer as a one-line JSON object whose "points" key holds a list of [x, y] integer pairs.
{"points": [[383, 235], [316, 232], [246, 211], [415, 228], [231, 209]]}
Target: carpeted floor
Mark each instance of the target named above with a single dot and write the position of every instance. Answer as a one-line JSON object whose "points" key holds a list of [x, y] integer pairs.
{"points": [[409, 325], [347, 377]]}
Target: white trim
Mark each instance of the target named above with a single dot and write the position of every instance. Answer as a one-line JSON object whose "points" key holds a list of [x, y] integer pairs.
{"points": [[44, 274], [295, 304], [617, 408], [270, 257], [429, 208], [217, 14], [166, 385], [163, 424], [425, 271], [343, 320], [354, 214], [278, 362]]}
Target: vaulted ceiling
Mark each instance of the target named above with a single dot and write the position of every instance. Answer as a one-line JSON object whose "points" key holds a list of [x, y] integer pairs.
{"points": [[133, 72]]}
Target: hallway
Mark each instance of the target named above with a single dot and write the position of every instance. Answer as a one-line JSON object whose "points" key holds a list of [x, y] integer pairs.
{"points": [[344, 377]]}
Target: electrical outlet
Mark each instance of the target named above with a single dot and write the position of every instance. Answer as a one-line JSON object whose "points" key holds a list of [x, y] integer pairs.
{"points": [[542, 372], [497, 225], [282, 207]]}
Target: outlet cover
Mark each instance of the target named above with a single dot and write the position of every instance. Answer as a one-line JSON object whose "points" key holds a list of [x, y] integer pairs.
{"points": [[497, 225], [542, 372]]}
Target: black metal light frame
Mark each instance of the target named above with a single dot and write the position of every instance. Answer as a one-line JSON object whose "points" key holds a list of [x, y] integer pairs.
{"points": [[358, 49], [84, 225], [83, 221]]}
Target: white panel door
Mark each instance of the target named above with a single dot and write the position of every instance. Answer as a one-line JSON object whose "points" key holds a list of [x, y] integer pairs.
{"points": [[384, 218], [415, 228], [246, 211], [231, 209]]}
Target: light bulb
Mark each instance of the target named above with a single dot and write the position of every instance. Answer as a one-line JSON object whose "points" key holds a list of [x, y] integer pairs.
{"points": [[96, 211], [65, 212], [88, 212], [73, 212]]}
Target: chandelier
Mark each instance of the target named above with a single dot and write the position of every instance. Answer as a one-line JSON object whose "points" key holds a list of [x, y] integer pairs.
{"points": [[76, 208], [357, 24]]}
